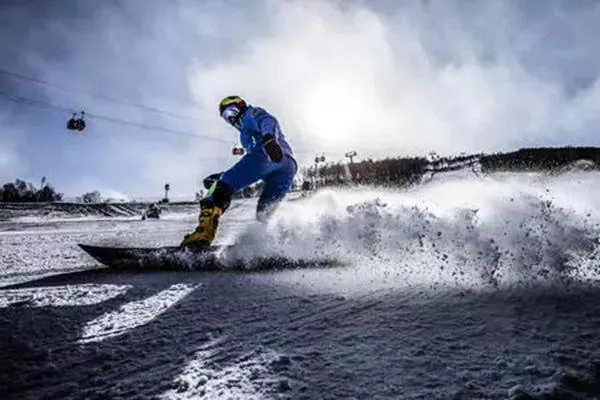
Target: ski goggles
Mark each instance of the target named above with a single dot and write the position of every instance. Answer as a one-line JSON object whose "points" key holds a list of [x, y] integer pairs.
{"points": [[231, 114]]}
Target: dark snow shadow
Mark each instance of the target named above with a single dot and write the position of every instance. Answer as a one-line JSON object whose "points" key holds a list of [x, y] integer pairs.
{"points": [[43, 352], [242, 335], [537, 342]]}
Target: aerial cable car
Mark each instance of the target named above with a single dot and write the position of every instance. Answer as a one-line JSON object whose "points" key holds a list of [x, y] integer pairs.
{"points": [[237, 151], [77, 122]]}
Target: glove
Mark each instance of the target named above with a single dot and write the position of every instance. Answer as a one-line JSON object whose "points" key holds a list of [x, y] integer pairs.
{"points": [[209, 180], [272, 148]]}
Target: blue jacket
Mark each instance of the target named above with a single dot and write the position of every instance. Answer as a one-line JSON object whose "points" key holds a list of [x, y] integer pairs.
{"points": [[254, 125]]}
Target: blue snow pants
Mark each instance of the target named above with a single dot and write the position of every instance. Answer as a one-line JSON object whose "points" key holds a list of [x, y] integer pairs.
{"points": [[277, 177]]}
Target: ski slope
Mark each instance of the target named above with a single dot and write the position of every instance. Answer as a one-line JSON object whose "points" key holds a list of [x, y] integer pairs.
{"points": [[463, 287]]}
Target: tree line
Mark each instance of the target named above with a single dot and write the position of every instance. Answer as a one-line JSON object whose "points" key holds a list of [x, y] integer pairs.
{"points": [[390, 171], [399, 171], [538, 159], [403, 171], [20, 191]]}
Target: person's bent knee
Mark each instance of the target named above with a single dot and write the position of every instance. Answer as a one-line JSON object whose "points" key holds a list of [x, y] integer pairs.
{"points": [[264, 210], [220, 197]]}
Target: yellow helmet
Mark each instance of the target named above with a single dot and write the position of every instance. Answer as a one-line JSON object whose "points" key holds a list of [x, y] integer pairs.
{"points": [[231, 108], [232, 100]]}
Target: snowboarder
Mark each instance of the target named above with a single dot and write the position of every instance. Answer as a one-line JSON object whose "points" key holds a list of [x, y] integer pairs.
{"points": [[269, 158], [153, 211]]}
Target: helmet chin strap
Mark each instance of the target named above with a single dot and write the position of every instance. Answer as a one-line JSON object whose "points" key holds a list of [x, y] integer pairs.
{"points": [[238, 121], [233, 115]]}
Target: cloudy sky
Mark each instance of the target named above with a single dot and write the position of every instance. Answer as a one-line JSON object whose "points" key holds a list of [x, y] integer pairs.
{"points": [[382, 77]]}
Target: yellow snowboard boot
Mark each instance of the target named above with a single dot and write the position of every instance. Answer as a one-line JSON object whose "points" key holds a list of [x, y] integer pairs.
{"points": [[208, 221]]}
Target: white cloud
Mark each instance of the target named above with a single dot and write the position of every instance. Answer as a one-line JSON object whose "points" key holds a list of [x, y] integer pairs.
{"points": [[382, 78], [343, 76], [11, 164]]}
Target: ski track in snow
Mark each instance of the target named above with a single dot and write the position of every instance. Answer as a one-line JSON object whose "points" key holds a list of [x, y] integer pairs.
{"points": [[237, 381], [61, 296], [133, 314], [489, 295]]}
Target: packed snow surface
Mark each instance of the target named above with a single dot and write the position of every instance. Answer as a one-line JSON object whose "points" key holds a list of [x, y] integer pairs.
{"points": [[464, 287]]}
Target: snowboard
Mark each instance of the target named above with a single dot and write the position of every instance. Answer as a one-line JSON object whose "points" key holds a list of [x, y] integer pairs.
{"points": [[175, 258]]}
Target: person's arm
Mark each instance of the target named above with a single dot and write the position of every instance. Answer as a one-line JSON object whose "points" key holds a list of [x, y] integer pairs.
{"points": [[269, 128], [209, 180], [272, 148]]}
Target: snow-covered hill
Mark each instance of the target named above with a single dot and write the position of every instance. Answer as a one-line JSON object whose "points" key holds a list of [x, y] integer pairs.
{"points": [[34, 212], [464, 287]]}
